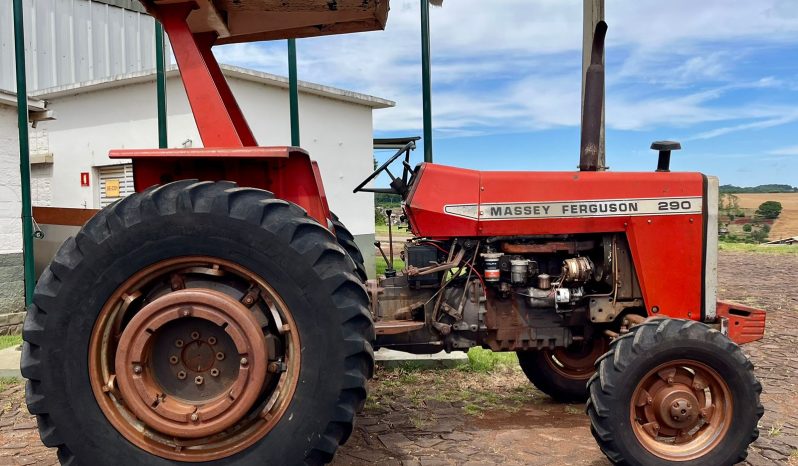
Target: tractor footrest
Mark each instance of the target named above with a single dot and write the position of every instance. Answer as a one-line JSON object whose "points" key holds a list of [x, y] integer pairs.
{"points": [[395, 327], [743, 324]]}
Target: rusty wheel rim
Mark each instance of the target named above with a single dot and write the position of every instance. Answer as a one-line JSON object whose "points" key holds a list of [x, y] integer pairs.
{"points": [[577, 361], [194, 358], [681, 410]]}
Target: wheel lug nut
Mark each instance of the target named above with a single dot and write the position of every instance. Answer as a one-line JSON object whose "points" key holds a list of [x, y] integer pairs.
{"points": [[181, 375], [276, 367], [194, 417], [670, 380], [198, 380], [195, 335], [137, 369], [173, 359], [219, 356], [212, 340], [244, 361], [179, 343], [215, 372]]}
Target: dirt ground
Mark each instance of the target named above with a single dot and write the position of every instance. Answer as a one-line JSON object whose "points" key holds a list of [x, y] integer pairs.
{"points": [[477, 418]]}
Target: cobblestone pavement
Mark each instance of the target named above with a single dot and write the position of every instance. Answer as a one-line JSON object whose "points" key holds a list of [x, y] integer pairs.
{"points": [[454, 417]]}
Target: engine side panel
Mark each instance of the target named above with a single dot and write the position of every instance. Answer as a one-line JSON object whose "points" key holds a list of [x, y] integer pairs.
{"points": [[662, 214]]}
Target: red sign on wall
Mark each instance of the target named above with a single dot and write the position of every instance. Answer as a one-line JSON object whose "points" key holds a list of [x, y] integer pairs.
{"points": [[84, 179]]}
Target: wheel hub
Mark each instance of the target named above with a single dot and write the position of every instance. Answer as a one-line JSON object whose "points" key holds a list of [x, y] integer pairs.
{"points": [[191, 363], [680, 410], [677, 407]]}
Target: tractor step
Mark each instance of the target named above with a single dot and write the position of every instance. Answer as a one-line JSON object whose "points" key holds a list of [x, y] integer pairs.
{"points": [[395, 327], [743, 324]]}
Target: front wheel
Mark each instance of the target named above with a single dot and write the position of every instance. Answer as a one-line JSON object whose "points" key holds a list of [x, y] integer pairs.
{"points": [[198, 322], [674, 391]]}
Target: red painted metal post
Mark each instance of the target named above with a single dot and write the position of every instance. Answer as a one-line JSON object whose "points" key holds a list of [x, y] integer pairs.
{"points": [[219, 119]]}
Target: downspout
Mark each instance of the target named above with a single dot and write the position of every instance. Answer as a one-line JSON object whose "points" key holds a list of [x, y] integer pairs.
{"points": [[24, 152], [160, 80], [426, 80], [293, 92]]}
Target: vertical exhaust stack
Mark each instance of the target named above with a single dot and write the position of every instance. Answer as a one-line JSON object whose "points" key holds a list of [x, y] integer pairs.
{"points": [[593, 104]]}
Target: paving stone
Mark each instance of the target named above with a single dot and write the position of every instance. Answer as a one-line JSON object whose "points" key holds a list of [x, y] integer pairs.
{"points": [[394, 441], [440, 427], [24, 425], [457, 437], [427, 442], [377, 428]]}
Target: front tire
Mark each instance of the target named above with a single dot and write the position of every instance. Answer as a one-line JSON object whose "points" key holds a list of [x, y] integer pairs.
{"points": [[155, 293], [674, 391]]}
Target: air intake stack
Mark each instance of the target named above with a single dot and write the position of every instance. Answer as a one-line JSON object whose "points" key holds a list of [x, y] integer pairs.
{"points": [[593, 104]]}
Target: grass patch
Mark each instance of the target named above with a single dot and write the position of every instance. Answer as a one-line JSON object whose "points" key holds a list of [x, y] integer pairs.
{"points": [[6, 382], [504, 388], [382, 230], [775, 429], [382, 265], [483, 360], [10, 340], [747, 247]]}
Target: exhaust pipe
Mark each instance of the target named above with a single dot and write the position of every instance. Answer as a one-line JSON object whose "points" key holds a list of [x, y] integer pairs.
{"points": [[593, 105]]}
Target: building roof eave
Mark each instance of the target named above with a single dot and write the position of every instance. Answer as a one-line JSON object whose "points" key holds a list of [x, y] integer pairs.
{"points": [[229, 71], [10, 99]]}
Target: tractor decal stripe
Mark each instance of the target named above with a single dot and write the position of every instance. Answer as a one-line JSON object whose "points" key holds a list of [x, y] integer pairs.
{"points": [[578, 209]]}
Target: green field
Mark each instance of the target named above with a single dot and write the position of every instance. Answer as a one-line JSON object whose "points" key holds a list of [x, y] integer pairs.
{"points": [[381, 265], [758, 248]]}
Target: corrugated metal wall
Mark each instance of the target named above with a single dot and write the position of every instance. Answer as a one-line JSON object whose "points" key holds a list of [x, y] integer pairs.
{"points": [[72, 41]]}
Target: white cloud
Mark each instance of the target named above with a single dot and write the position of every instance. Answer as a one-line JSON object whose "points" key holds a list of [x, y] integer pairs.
{"points": [[791, 150], [515, 65]]}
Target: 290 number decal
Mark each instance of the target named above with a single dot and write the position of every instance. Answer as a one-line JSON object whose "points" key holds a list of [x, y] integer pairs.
{"points": [[675, 205]]}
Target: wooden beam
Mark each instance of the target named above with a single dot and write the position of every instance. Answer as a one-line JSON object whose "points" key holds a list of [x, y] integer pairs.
{"points": [[62, 216]]}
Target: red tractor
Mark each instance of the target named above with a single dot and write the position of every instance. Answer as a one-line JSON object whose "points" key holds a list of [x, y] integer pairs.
{"points": [[228, 322]]}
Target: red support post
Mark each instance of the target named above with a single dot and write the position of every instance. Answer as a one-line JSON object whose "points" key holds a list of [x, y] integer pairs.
{"points": [[219, 118]]}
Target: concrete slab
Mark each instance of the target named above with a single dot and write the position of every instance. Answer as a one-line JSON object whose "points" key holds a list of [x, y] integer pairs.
{"points": [[9, 362], [392, 359]]}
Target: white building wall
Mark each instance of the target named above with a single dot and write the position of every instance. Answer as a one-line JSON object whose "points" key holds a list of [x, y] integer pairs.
{"points": [[10, 198], [12, 287], [337, 134]]}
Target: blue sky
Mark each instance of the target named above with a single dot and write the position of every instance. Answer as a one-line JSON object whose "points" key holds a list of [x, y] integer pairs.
{"points": [[720, 76]]}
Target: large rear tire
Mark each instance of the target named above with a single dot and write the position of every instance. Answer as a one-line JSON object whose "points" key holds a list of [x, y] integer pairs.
{"points": [[238, 311], [347, 241], [674, 391], [563, 373]]}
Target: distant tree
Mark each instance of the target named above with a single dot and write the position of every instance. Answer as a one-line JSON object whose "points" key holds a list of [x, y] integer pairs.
{"points": [[759, 236], [379, 216], [763, 188], [769, 209], [747, 228]]}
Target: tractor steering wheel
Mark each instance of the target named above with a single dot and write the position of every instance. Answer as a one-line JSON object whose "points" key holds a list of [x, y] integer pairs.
{"points": [[399, 185]]}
